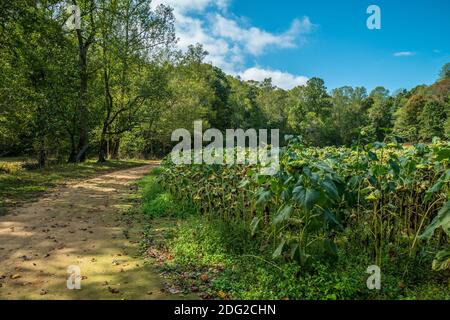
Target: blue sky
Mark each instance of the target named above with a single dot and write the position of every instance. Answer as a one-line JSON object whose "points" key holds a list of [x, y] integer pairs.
{"points": [[294, 40]]}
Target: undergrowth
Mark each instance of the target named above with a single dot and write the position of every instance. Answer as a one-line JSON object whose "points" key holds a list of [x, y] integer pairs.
{"points": [[218, 259]]}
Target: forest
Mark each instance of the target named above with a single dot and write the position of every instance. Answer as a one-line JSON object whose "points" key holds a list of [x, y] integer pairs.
{"points": [[118, 89], [364, 176]]}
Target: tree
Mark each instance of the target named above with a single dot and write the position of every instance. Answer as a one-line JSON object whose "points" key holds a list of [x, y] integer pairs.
{"points": [[445, 72], [274, 105], [86, 37], [432, 120], [310, 112], [131, 33], [380, 114], [348, 114], [220, 117], [407, 123], [38, 60], [246, 112]]}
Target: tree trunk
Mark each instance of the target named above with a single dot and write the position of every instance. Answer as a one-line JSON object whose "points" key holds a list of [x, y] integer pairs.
{"points": [[41, 153], [83, 116], [103, 147], [114, 148], [73, 149], [83, 142]]}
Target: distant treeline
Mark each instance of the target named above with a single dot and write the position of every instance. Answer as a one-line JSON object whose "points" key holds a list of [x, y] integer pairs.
{"points": [[118, 88]]}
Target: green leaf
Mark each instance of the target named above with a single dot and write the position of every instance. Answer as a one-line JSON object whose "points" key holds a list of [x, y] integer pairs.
{"points": [[279, 249], [244, 183], [283, 214], [395, 167], [307, 172], [254, 225], [294, 248], [443, 154], [354, 182], [373, 181], [331, 247], [285, 195], [372, 156], [442, 220], [436, 188], [264, 197], [331, 218], [311, 198], [298, 194], [288, 180], [442, 260], [330, 189]]}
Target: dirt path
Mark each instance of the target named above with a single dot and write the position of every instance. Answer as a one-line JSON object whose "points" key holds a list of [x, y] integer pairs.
{"points": [[81, 224]]}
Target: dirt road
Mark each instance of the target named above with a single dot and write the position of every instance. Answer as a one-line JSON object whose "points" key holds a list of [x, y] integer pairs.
{"points": [[81, 224]]}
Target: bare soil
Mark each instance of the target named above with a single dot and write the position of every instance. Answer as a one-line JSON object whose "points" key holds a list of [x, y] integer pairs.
{"points": [[80, 224]]}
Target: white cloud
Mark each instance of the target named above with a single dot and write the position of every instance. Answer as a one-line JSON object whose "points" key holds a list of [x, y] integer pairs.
{"points": [[230, 42], [281, 79], [255, 40], [404, 54], [222, 53]]}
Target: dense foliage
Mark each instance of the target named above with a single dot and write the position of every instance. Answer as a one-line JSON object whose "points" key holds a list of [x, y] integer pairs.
{"points": [[118, 88], [383, 195]]}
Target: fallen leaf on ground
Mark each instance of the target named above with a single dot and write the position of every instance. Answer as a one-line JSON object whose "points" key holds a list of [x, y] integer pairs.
{"points": [[174, 291], [222, 295], [113, 290]]}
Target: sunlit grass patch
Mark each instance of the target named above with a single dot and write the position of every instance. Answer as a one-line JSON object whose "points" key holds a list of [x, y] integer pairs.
{"points": [[156, 202], [10, 167]]}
